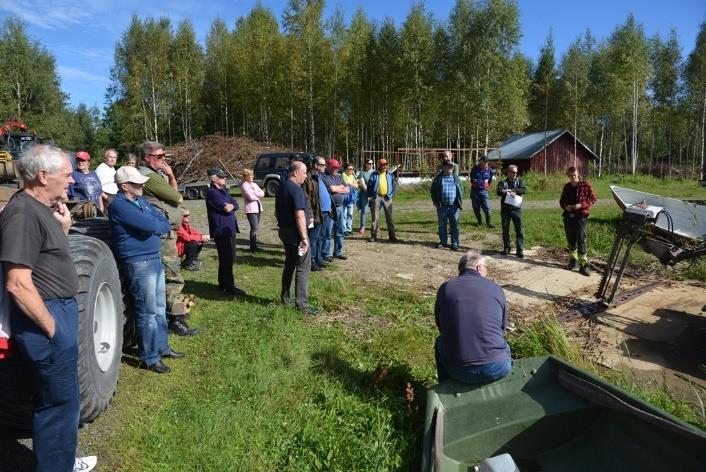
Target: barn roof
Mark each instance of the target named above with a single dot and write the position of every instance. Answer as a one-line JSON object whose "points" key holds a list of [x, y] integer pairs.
{"points": [[524, 146]]}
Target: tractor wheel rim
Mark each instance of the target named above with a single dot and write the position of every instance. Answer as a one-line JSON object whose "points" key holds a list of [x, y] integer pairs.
{"points": [[104, 331]]}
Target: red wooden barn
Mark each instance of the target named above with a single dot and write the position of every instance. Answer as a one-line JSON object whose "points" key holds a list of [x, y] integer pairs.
{"points": [[529, 152]]}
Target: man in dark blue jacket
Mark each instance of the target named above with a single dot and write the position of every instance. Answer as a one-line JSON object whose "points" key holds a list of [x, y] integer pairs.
{"points": [[137, 227], [471, 314], [223, 226]]}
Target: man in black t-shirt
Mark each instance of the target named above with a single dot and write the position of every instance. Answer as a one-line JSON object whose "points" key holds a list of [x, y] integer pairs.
{"points": [[290, 209], [42, 282]]}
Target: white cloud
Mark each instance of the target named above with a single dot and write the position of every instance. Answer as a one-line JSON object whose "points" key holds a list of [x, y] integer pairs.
{"points": [[48, 14], [72, 73], [93, 54]]}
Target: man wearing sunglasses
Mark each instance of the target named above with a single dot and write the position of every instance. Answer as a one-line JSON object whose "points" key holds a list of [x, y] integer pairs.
{"points": [[508, 190], [160, 190], [363, 180]]}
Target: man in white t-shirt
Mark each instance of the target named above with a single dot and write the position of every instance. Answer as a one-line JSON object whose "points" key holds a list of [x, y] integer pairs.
{"points": [[106, 173]]}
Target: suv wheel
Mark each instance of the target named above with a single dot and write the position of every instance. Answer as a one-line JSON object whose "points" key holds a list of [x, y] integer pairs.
{"points": [[271, 187]]}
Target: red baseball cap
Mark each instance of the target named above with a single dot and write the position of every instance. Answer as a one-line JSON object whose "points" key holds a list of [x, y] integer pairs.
{"points": [[83, 156], [334, 164]]}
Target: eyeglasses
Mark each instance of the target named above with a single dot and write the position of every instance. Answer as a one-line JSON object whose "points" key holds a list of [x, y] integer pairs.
{"points": [[320, 164], [158, 156]]}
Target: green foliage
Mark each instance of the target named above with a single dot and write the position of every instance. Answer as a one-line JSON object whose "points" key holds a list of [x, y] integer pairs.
{"points": [[541, 338]]}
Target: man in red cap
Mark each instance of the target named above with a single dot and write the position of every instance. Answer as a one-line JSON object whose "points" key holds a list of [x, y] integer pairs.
{"points": [[338, 190], [87, 185], [381, 189]]}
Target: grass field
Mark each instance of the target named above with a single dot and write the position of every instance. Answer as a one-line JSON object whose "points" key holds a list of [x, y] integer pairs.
{"points": [[264, 387]]}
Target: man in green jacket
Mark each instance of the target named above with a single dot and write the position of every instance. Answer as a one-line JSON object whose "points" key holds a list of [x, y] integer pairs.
{"points": [[447, 195], [161, 191]]}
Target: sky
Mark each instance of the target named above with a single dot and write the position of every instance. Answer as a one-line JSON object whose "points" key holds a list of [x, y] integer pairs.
{"points": [[81, 34]]}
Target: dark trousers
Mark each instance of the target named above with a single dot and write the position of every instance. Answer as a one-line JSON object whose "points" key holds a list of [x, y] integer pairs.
{"points": [[575, 229], [226, 256], [480, 201], [54, 364], [294, 263], [514, 214], [192, 249], [315, 243], [254, 220]]}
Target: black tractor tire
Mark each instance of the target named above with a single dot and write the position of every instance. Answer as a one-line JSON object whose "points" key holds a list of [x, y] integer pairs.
{"points": [[98, 227], [100, 331], [129, 328], [192, 193], [271, 187], [203, 191]]}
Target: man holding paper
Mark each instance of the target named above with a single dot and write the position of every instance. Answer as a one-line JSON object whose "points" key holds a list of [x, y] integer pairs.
{"points": [[511, 191]]}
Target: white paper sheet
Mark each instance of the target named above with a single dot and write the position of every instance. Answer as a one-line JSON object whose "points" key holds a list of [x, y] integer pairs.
{"points": [[515, 201]]}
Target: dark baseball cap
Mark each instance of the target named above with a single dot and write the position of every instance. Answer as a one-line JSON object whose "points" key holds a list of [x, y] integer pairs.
{"points": [[217, 171]]}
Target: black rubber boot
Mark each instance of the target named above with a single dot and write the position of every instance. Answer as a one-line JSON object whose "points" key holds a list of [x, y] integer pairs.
{"points": [[178, 326]]}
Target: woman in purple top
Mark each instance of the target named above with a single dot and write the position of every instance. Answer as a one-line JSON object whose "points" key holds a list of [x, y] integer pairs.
{"points": [[87, 185]]}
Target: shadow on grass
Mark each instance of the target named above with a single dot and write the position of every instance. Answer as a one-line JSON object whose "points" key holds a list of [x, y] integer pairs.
{"points": [[254, 260], [394, 381], [210, 291]]}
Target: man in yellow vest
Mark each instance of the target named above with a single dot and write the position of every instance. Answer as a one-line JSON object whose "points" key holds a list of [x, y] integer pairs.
{"points": [[381, 189]]}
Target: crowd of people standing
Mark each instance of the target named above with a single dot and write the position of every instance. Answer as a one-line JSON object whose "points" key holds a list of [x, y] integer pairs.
{"points": [[153, 240]]}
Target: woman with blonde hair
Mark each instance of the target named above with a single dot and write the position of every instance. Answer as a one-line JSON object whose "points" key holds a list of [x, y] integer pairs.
{"points": [[252, 193]]}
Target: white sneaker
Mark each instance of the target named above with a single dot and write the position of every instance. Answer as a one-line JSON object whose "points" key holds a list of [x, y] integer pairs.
{"points": [[85, 464]]}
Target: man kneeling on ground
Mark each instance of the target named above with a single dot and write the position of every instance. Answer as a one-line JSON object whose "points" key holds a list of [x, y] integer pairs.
{"points": [[471, 314]]}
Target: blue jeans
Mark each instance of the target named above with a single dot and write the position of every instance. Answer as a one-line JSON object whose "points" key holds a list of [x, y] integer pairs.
{"points": [[348, 221], [450, 214], [325, 237], [472, 374], [339, 231], [480, 201], [148, 294], [54, 364]]}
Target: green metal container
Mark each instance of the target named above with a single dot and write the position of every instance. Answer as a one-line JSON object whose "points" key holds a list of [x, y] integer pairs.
{"points": [[551, 416]]}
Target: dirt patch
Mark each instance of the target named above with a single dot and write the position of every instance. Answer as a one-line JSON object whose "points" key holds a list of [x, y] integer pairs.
{"points": [[660, 334]]}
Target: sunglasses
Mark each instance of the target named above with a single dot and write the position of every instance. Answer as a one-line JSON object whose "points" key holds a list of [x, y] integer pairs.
{"points": [[158, 156]]}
